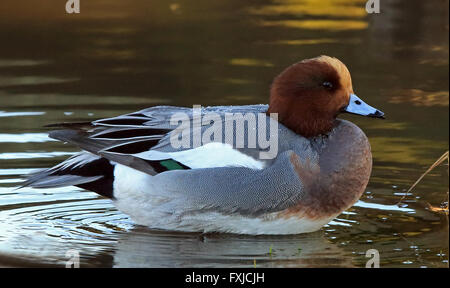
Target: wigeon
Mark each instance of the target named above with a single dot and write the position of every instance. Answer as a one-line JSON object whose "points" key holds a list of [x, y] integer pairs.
{"points": [[320, 166]]}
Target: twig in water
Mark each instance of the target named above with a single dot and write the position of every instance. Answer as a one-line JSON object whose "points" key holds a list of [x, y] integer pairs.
{"points": [[437, 163]]}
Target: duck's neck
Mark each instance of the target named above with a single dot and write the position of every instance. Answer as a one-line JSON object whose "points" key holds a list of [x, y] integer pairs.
{"points": [[305, 123]]}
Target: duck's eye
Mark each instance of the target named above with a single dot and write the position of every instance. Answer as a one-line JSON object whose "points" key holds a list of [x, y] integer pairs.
{"points": [[327, 85]]}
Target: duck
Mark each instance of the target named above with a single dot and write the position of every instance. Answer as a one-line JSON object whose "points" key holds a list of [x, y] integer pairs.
{"points": [[315, 166]]}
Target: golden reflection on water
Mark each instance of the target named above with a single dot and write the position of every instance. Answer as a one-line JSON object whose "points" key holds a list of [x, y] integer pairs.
{"points": [[114, 30], [235, 81], [31, 80], [418, 97], [250, 62], [20, 63], [391, 125], [334, 8], [114, 54], [404, 150], [339, 14], [306, 41], [330, 25]]}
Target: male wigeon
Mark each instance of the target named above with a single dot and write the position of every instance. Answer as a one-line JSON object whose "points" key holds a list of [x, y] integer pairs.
{"points": [[321, 164]]}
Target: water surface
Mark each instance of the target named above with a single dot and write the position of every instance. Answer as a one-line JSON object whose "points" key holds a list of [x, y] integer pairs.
{"points": [[116, 57]]}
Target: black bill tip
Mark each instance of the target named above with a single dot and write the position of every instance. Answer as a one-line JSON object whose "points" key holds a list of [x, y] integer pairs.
{"points": [[377, 114]]}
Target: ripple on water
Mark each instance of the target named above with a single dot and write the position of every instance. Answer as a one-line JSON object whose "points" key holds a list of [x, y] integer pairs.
{"points": [[41, 225]]}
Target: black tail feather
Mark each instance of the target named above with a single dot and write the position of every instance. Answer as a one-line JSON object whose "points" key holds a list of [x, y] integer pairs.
{"points": [[95, 174]]}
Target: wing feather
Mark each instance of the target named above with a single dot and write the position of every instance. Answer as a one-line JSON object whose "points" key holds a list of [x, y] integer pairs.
{"points": [[122, 139]]}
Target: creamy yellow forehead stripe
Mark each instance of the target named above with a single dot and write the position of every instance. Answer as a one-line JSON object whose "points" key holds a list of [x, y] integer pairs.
{"points": [[344, 74]]}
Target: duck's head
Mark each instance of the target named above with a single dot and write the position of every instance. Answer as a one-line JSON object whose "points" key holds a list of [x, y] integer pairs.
{"points": [[310, 94]]}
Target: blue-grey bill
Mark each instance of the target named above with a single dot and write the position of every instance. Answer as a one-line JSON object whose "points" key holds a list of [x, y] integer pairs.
{"points": [[359, 107]]}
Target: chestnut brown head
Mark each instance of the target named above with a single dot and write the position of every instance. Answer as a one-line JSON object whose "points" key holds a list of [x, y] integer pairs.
{"points": [[310, 94]]}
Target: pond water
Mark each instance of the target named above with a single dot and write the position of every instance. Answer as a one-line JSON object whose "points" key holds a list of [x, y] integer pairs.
{"points": [[117, 56]]}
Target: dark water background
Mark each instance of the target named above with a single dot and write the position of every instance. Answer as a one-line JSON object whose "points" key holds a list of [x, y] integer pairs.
{"points": [[117, 56]]}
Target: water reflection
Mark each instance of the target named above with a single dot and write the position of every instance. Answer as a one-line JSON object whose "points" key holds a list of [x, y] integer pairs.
{"points": [[419, 97], [142, 247], [24, 137], [117, 56], [330, 8], [333, 25]]}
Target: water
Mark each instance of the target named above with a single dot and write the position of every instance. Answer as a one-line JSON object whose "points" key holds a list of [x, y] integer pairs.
{"points": [[116, 57]]}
